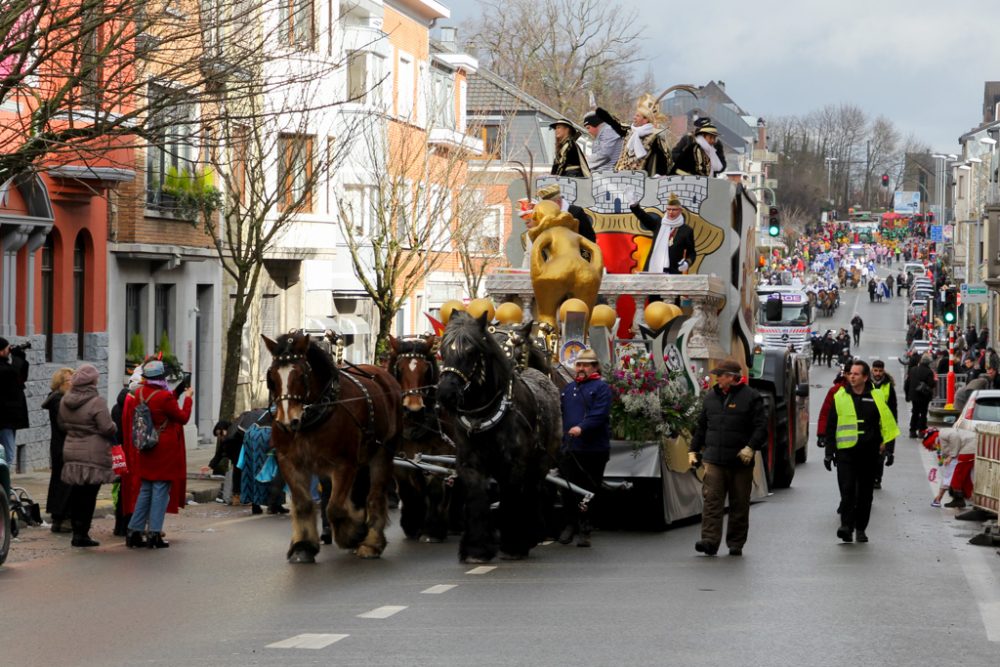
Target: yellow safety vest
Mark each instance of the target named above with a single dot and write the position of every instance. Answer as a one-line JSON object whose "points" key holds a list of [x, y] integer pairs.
{"points": [[847, 419]]}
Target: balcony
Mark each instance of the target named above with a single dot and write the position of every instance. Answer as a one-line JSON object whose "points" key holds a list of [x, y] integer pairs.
{"points": [[440, 137]]}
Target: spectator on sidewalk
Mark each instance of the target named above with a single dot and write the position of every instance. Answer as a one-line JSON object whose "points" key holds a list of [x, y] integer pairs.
{"points": [[57, 499], [90, 432], [919, 390], [13, 404], [162, 469], [958, 445]]}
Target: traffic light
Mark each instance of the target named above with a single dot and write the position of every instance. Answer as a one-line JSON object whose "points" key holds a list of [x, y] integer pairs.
{"points": [[885, 180], [949, 313], [773, 222]]}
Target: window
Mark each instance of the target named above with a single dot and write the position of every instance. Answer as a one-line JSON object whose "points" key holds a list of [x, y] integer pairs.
{"points": [[79, 293], [356, 208], [463, 96], [404, 93], [492, 141], [485, 237], [48, 295], [170, 153], [439, 207], [442, 99], [238, 163], [357, 76], [405, 215], [269, 320], [133, 311], [295, 19], [163, 309], [295, 172], [91, 26]]}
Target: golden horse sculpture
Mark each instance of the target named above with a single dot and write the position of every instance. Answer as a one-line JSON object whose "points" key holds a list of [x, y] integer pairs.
{"points": [[564, 265]]}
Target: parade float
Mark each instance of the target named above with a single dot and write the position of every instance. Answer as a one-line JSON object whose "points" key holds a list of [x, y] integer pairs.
{"points": [[656, 356]]}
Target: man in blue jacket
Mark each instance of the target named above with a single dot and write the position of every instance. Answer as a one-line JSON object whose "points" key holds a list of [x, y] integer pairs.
{"points": [[586, 413]]}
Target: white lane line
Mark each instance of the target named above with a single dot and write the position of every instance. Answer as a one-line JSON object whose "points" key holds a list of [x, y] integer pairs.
{"points": [[546, 543], [383, 612], [438, 589], [482, 569], [978, 572], [308, 640]]}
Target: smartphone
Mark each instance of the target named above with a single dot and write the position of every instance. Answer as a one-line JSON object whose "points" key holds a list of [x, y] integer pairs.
{"points": [[184, 384]]}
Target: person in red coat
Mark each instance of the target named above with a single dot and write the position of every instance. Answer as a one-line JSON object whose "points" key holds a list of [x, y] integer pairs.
{"points": [[162, 469]]}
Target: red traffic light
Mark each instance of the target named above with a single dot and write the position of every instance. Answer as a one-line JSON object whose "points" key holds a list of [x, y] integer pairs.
{"points": [[885, 180]]}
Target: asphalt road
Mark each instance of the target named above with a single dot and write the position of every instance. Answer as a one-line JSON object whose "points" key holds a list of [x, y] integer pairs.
{"points": [[224, 595]]}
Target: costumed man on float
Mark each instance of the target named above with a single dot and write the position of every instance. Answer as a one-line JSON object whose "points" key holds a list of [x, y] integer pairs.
{"points": [[569, 160], [699, 153], [673, 248], [645, 146]]}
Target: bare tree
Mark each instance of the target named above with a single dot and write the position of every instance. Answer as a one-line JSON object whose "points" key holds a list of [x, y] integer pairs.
{"points": [[402, 224], [564, 51]]}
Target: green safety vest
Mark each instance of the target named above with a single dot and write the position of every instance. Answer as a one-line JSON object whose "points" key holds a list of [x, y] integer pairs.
{"points": [[847, 419]]}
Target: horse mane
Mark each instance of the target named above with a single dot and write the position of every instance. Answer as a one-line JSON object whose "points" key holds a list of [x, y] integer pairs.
{"points": [[464, 335]]}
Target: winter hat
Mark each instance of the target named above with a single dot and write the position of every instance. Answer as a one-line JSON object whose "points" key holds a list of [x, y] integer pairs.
{"points": [[153, 370], [136, 379], [84, 375]]}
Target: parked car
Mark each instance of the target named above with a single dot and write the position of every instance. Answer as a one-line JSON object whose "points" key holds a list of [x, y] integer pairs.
{"points": [[983, 407], [916, 268]]}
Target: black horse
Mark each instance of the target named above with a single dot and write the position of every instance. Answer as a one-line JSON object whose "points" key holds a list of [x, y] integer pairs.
{"points": [[506, 426]]}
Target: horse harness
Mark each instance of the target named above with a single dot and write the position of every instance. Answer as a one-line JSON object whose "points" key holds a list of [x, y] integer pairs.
{"points": [[428, 356], [473, 425], [328, 401]]}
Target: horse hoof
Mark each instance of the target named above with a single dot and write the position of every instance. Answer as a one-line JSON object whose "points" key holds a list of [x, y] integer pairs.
{"points": [[326, 538], [303, 552], [430, 539], [476, 560], [368, 552]]}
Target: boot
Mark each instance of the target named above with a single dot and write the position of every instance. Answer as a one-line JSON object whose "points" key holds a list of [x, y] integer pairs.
{"points": [[236, 500], [566, 536], [156, 541], [135, 540], [958, 501], [60, 526], [81, 537]]}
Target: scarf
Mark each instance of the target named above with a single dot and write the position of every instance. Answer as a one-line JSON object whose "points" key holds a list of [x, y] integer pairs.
{"points": [[636, 134], [710, 152], [660, 260], [592, 376]]}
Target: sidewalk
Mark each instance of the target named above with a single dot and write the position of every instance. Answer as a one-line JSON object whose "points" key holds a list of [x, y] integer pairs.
{"points": [[201, 488]]}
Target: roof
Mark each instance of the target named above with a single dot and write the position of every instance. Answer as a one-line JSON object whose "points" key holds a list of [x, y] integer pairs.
{"points": [[489, 92]]}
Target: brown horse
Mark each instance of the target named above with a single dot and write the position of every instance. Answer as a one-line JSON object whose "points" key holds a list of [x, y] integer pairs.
{"points": [[344, 423], [413, 362]]}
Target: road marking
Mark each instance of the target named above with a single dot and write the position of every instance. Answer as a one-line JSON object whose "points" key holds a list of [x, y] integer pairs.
{"points": [[978, 573], [438, 589], [308, 640], [547, 543], [383, 612], [482, 569]]}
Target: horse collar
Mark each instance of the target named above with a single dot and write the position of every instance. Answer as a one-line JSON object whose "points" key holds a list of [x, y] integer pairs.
{"points": [[480, 425]]}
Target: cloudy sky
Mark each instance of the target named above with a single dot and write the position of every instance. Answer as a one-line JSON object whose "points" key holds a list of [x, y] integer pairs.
{"points": [[922, 64]]}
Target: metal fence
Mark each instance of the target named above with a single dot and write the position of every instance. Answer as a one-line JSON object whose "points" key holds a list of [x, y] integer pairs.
{"points": [[941, 390]]}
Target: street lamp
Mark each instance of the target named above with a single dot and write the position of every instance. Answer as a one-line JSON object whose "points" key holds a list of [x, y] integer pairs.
{"points": [[829, 165]]}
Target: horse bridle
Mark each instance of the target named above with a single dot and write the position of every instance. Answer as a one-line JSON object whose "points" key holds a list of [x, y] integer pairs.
{"points": [[420, 356], [311, 412]]}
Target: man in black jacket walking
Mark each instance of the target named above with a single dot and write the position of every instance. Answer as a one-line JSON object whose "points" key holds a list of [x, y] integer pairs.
{"points": [[732, 427], [919, 390]]}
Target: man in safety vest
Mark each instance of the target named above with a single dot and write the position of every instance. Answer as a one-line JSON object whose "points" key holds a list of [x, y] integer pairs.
{"points": [[883, 383], [857, 431]]}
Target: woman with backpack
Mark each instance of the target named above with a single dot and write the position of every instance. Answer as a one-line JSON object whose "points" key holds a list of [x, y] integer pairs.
{"points": [[84, 416], [154, 423]]}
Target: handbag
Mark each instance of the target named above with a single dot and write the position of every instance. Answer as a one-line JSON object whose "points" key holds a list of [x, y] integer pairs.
{"points": [[269, 470], [118, 464]]}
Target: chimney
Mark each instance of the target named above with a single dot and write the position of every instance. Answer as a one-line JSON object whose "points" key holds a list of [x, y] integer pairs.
{"points": [[449, 37], [761, 134], [721, 84]]}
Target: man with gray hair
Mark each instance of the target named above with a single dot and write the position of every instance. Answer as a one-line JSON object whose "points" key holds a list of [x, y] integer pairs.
{"points": [[607, 145], [919, 389]]}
